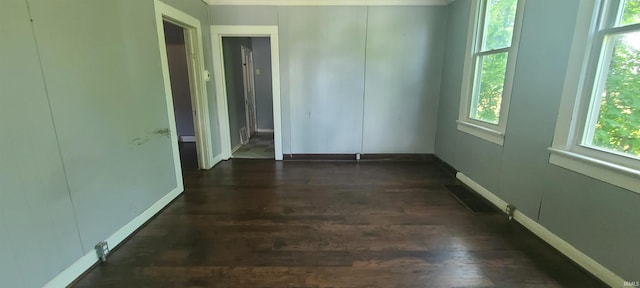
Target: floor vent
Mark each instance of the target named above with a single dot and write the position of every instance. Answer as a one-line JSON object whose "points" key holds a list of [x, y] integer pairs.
{"points": [[471, 200]]}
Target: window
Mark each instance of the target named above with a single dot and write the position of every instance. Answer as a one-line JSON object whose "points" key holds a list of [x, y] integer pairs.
{"points": [[598, 128], [491, 54]]}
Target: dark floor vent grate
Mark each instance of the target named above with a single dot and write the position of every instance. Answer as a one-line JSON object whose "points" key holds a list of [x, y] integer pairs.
{"points": [[471, 200]]}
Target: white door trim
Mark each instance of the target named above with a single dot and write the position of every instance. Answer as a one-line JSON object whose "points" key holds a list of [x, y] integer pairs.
{"points": [[193, 37], [219, 31]]}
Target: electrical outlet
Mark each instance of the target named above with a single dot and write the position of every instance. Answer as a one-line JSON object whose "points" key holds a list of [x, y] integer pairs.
{"points": [[102, 249]]}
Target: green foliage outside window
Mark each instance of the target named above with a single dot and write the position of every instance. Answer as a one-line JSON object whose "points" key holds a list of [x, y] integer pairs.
{"points": [[498, 33], [618, 123]]}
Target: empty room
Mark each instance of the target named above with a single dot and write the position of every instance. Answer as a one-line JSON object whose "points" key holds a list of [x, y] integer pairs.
{"points": [[320, 143]]}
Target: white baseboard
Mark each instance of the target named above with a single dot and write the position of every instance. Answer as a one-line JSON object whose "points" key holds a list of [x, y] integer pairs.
{"points": [[85, 262], [185, 139], [264, 130], [595, 268], [216, 160]]}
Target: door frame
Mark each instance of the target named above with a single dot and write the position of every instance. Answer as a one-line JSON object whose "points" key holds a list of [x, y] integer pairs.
{"points": [[219, 31], [197, 83]]}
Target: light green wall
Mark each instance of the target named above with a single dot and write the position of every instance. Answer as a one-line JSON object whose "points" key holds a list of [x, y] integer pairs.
{"points": [[116, 165], [332, 100], [599, 219], [82, 94], [37, 225]]}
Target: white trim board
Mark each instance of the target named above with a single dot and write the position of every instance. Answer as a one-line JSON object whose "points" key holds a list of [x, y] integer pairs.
{"points": [[265, 130], [219, 31], [85, 262], [586, 262], [332, 2]]}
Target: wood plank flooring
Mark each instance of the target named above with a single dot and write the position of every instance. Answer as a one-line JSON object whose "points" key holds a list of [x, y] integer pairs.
{"points": [[261, 223]]}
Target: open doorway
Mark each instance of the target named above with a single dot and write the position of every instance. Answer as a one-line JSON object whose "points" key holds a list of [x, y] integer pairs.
{"points": [[248, 82], [181, 93], [182, 62], [225, 105]]}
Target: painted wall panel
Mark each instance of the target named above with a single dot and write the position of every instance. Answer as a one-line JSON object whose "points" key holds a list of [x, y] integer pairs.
{"points": [[264, 90], [38, 237], [403, 67], [599, 219], [106, 89], [322, 74], [326, 78]]}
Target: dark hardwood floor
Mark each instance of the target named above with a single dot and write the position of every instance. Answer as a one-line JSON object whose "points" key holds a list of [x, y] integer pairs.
{"points": [[261, 223]]}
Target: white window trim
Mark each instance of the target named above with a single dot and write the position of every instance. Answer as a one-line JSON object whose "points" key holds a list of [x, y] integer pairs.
{"points": [[487, 131], [566, 150]]}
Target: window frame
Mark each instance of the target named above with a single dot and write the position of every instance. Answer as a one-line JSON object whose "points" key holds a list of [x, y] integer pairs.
{"points": [[585, 74], [473, 53]]}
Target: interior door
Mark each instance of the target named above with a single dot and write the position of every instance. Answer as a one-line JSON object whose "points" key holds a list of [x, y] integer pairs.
{"points": [[249, 91]]}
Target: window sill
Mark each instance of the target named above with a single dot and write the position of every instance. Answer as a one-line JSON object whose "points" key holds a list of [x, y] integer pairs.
{"points": [[481, 132], [621, 176]]}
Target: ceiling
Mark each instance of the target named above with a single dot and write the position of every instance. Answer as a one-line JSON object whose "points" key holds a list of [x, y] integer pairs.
{"points": [[330, 2]]}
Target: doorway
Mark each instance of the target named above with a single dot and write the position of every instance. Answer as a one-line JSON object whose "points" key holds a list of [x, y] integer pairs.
{"points": [[178, 61], [180, 37], [241, 82], [247, 69]]}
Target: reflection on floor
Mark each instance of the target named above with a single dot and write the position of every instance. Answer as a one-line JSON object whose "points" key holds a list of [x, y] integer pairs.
{"points": [[260, 146], [188, 156]]}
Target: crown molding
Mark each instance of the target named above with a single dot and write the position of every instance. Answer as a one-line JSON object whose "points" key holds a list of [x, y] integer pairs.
{"points": [[331, 2]]}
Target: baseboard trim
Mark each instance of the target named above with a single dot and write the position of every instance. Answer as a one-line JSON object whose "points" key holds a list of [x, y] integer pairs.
{"points": [[419, 157], [264, 130], [187, 139], [586, 262], [445, 166], [364, 157], [85, 262], [324, 157]]}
